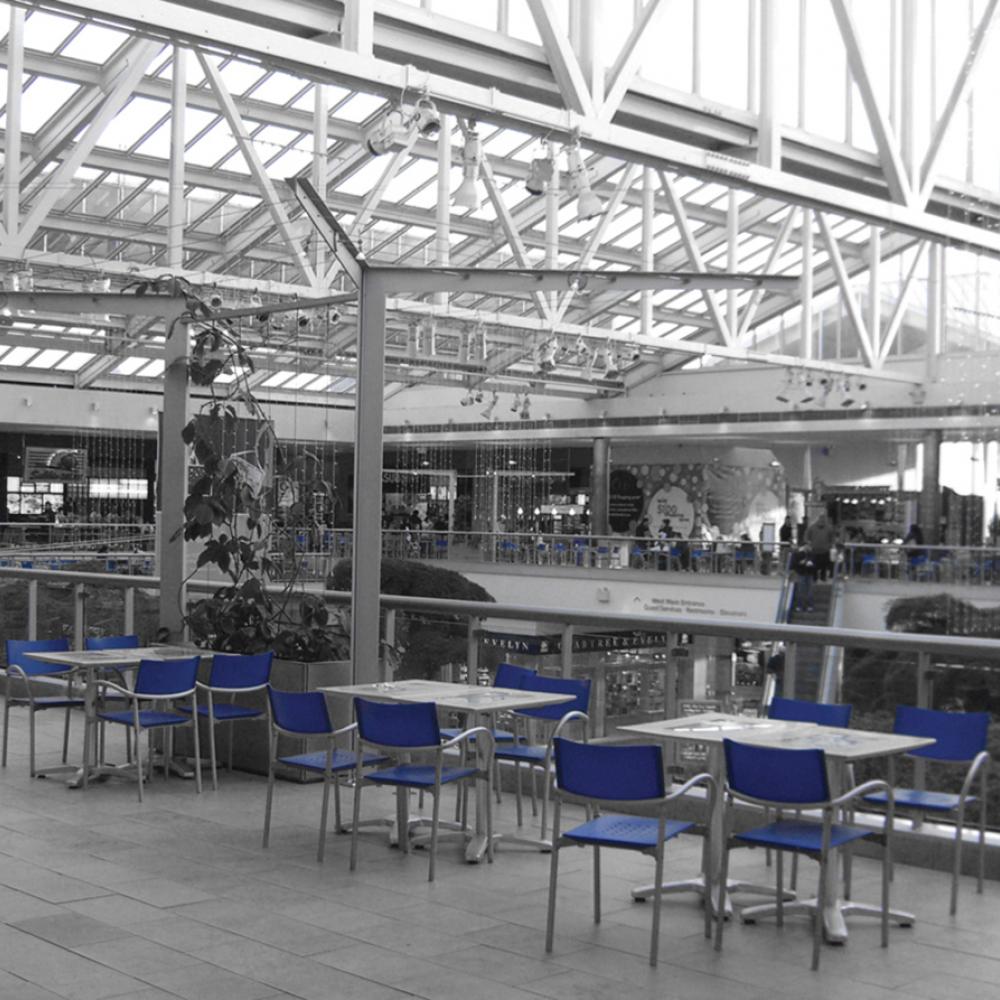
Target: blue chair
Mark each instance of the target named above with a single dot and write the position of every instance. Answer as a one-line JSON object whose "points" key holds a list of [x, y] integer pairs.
{"points": [[960, 738], [232, 674], [820, 713], [794, 780], [22, 667], [539, 756], [98, 642], [111, 642], [402, 730], [597, 776], [158, 683], [305, 714]]}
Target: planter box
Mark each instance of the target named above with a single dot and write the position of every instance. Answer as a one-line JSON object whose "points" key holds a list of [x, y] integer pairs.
{"points": [[250, 738]]}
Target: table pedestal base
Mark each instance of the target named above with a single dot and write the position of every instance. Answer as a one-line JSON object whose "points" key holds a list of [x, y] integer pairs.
{"points": [[834, 916], [643, 893]]}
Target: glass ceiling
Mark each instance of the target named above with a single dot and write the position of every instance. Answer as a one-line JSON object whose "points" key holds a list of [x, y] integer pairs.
{"points": [[114, 211]]}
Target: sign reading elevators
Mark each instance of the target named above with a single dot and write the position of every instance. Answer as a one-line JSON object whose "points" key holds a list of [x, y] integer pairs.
{"points": [[59, 465]]}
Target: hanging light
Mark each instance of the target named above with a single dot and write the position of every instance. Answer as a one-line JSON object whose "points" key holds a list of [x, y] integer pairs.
{"points": [[516, 405], [784, 395], [848, 399], [526, 408], [587, 203], [547, 356], [393, 130], [539, 175], [466, 195], [487, 414], [426, 118], [467, 399], [611, 369], [215, 300]]}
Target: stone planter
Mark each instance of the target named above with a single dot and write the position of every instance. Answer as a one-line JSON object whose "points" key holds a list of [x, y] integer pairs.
{"points": [[250, 738]]}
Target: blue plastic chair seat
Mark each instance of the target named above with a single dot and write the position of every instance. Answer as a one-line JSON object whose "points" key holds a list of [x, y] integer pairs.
{"points": [[225, 712], [499, 735], [796, 835], [528, 753], [915, 798], [418, 775], [148, 718], [637, 832], [342, 760]]}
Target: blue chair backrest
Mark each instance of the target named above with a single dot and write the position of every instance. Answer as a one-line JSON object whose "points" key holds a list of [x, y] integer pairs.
{"points": [[398, 725], [578, 688], [793, 710], [166, 677], [776, 775], [111, 642], [303, 712], [16, 648], [510, 676], [959, 735], [241, 670], [596, 771]]}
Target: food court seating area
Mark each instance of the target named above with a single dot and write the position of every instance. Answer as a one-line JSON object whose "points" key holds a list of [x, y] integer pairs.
{"points": [[104, 898]]}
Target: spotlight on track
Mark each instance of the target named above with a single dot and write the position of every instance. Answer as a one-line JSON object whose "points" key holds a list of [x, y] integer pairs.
{"points": [[392, 131], [426, 119], [466, 195], [526, 408], [611, 367], [547, 356], [467, 400], [539, 175], [587, 203], [516, 404], [487, 414], [848, 399]]}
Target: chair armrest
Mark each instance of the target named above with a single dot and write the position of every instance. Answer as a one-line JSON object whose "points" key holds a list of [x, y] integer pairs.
{"points": [[565, 721], [699, 779], [981, 760], [346, 729], [875, 785], [477, 731], [110, 685]]}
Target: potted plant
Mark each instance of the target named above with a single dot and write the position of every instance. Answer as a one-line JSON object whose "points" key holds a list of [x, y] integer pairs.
{"points": [[240, 469]]}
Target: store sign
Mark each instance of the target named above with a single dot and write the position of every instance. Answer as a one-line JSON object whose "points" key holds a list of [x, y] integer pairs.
{"points": [[543, 645], [58, 465], [625, 500], [674, 504]]}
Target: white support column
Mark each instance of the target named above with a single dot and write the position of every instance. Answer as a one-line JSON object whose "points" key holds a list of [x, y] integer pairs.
{"points": [[12, 150], [932, 347], [807, 346], [552, 193], [874, 297], [768, 128], [367, 557], [909, 17], [583, 27], [173, 473], [732, 257], [442, 232], [696, 47], [320, 168], [358, 30], [648, 211], [176, 203]]}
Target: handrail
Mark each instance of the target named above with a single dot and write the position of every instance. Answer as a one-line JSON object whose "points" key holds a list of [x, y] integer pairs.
{"points": [[944, 645]]}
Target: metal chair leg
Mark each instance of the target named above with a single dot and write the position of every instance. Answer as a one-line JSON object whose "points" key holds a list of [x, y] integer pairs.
{"points": [[434, 832]]}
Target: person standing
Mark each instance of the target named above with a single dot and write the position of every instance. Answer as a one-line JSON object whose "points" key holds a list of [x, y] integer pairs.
{"points": [[803, 569], [820, 539]]}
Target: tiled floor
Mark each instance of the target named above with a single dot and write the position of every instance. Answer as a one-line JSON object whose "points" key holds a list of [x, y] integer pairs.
{"points": [[101, 898]]}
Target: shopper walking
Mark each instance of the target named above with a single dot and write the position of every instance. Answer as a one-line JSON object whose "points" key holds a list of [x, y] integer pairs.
{"points": [[820, 539]]}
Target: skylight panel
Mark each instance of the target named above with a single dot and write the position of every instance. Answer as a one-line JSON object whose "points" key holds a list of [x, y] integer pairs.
{"points": [[363, 179], [132, 122], [277, 379], [74, 361], [153, 370], [42, 98], [239, 76], [95, 44], [359, 107], [18, 356], [129, 366], [334, 95], [45, 359], [319, 384], [279, 88], [415, 174], [426, 197], [45, 32], [300, 380], [346, 385], [290, 163], [505, 141], [211, 147]]}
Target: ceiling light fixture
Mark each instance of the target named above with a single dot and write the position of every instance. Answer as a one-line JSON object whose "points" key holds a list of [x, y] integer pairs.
{"points": [[539, 175], [399, 126], [587, 203], [466, 195], [487, 414]]}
